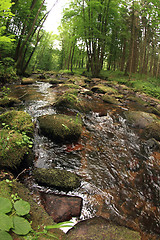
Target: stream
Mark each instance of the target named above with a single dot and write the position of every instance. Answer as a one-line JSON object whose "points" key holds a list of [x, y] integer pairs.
{"points": [[120, 173]]}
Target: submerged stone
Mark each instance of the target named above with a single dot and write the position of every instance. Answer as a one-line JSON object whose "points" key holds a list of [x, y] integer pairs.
{"points": [[59, 179], [18, 120], [13, 150], [62, 207], [61, 128], [101, 229]]}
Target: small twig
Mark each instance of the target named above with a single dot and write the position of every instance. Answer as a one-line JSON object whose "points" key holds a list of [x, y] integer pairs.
{"points": [[21, 173], [23, 95]]}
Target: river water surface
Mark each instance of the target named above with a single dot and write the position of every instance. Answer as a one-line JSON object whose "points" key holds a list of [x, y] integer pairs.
{"points": [[120, 173]]}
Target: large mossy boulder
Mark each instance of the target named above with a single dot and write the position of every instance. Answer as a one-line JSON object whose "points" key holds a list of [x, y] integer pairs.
{"points": [[8, 101], [140, 119], [70, 100], [18, 120], [99, 228], [14, 151], [27, 81], [110, 99], [61, 128], [59, 179], [103, 89], [38, 217]]}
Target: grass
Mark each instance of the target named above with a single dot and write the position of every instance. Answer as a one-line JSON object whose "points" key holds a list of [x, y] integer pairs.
{"points": [[141, 83]]}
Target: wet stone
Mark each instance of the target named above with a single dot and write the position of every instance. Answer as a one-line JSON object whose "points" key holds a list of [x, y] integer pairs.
{"points": [[139, 119], [62, 207], [61, 128], [56, 178], [100, 229]]}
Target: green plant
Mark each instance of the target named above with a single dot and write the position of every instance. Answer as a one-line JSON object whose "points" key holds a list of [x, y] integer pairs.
{"points": [[13, 217], [5, 91], [26, 140], [35, 235]]}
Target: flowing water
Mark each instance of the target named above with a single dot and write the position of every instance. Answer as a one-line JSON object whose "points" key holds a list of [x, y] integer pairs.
{"points": [[120, 172]]}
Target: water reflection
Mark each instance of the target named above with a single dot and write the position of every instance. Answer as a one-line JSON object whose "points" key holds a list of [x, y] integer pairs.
{"points": [[121, 177]]}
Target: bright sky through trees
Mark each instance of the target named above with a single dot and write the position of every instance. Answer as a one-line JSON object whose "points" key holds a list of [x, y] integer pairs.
{"points": [[54, 18]]}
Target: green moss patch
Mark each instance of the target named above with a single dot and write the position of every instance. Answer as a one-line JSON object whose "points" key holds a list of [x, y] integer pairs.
{"points": [[98, 228], [12, 149], [9, 101], [109, 99], [103, 89], [38, 217], [18, 120], [61, 128], [152, 131], [70, 100], [140, 119], [28, 81], [59, 179]]}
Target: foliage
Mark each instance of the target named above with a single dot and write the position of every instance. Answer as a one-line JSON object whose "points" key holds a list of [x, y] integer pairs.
{"points": [[11, 217], [7, 70], [142, 83]]}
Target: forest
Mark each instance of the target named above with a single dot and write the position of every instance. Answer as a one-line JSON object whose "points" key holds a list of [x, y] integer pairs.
{"points": [[80, 120], [94, 35]]}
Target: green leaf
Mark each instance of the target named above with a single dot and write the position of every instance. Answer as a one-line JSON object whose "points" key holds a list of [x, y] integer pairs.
{"points": [[5, 236], [5, 205], [5, 222], [21, 226], [22, 207], [59, 225]]}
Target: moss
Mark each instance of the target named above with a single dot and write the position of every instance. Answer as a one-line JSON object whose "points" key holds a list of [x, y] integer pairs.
{"points": [[67, 100], [28, 80], [152, 131], [70, 100], [103, 89], [59, 179], [98, 228], [140, 119], [38, 217], [71, 85], [12, 149], [61, 128], [18, 120], [8, 101], [109, 99], [55, 81]]}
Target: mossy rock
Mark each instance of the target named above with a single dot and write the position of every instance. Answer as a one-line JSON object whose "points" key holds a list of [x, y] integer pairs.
{"points": [[71, 101], [140, 119], [18, 120], [103, 89], [56, 178], [152, 131], [110, 99], [38, 217], [55, 81], [13, 149], [27, 81], [61, 128], [9, 101], [69, 85], [99, 228]]}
